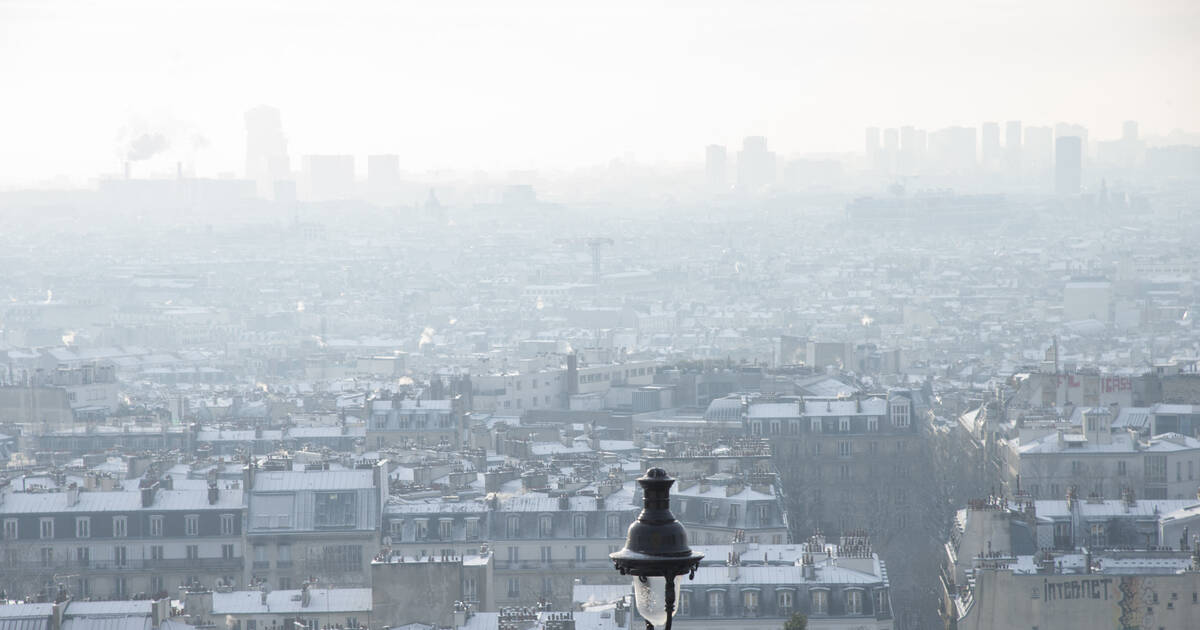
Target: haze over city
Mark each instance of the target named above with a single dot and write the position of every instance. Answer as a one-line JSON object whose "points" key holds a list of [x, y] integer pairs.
{"points": [[479, 85], [560, 316]]}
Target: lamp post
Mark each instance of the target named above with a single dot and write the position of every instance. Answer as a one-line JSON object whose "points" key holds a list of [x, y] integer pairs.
{"points": [[656, 552]]}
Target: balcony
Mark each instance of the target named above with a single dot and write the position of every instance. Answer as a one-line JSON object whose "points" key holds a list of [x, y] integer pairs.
{"points": [[194, 563]]}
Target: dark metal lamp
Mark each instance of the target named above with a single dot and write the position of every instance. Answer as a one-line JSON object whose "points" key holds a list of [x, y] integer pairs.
{"points": [[656, 552]]}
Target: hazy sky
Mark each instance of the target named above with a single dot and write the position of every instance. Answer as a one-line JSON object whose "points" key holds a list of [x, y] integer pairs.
{"points": [[515, 85]]}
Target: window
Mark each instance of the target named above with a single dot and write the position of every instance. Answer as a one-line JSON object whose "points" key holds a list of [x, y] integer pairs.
{"points": [[775, 427], [396, 529], [342, 558], [1075, 467], [545, 554], [815, 425], [873, 423], [47, 528], [547, 585], [193, 552], [514, 525], [422, 528], [83, 588], [854, 602], [750, 601], [613, 526], [873, 447], [900, 414], [844, 448], [472, 528], [83, 556], [844, 471], [191, 525], [1155, 468], [685, 602], [783, 599], [47, 556], [83, 527], [820, 601], [514, 587], [120, 589], [733, 512], [227, 552], [764, 509], [1120, 469], [283, 555], [10, 529], [156, 552], [156, 525], [545, 525], [469, 589], [881, 602], [226, 524], [716, 603], [285, 582], [444, 528], [580, 553], [120, 527], [335, 509], [844, 424], [120, 556], [514, 554]]}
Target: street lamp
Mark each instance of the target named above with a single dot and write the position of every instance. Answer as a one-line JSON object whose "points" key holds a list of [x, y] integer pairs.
{"points": [[656, 552]]}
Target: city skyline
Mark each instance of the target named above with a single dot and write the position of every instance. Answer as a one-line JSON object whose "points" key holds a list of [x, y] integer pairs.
{"points": [[491, 89]]}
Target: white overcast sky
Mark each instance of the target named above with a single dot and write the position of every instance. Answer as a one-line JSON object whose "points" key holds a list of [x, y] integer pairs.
{"points": [[556, 84]]}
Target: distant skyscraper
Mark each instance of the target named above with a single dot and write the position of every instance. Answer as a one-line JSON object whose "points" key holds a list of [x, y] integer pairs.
{"points": [[266, 149], [891, 149], [383, 177], [1129, 131], [714, 166], [912, 147], [329, 177], [756, 165], [1079, 131], [873, 149], [1012, 146], [989, 150], [1068, 164]]}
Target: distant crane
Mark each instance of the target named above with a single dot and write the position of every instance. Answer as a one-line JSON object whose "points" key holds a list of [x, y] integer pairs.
{"points": [[595, 244]]}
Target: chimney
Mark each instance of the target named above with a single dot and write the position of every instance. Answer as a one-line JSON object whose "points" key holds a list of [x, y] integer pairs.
{"points": [[305, 595], [733, 566], [564, 501], [214, 493], [460, 615], [148, 494], [262, 596], [72, 495]]}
